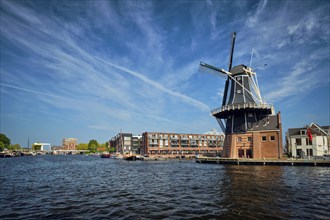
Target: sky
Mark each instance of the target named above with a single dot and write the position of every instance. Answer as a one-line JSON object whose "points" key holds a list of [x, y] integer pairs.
{"points": [[93, 69]]}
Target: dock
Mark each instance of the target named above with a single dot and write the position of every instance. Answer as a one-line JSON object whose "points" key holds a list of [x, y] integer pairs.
{"points": [[274, 162]]}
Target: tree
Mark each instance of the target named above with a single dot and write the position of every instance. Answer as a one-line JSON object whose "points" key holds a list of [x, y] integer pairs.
{"points": [[93, 145], [82, 146], [2, 146], [5, 142], [15, 147]]}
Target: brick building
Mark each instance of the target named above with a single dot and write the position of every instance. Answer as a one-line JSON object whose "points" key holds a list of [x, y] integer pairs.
{"points": [[158, 143], [69, 143]]}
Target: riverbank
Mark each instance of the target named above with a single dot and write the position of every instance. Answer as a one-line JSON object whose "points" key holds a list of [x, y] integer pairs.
{"points": [[277, 162]]}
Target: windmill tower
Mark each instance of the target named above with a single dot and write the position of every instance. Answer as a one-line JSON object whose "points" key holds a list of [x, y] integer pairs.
{"points": [[252, 128]]}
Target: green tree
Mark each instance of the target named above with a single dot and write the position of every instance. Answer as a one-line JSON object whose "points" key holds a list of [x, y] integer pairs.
{"points": [[2, 146], [112, 149], [15, 147], [4, 142], [82, 146], [93, 145]]}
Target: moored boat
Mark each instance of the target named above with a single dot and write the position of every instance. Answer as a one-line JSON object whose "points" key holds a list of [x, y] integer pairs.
{"points": [[6, 154], [105, 155]]}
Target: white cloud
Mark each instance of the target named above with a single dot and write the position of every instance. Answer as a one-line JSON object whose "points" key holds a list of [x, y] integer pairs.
{"points": [[161, 87], [253, 19]]}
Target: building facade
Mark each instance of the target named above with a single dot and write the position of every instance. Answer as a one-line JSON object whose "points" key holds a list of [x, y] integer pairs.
{"points": [[158, 143], [262, 140], [136, 144], [299, 144], [122, 142], [42, 147], [69, 143]]}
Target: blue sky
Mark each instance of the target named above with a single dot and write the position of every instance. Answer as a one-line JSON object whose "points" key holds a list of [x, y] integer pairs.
{"points": [[90, 69]]}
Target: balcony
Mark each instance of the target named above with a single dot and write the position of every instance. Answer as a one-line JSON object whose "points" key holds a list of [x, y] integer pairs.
{"points": [[224, 110]]}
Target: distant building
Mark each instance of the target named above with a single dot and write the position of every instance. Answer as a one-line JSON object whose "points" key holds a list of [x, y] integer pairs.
{"points": [[299, 145], [69, 143], [57, 148], [136, 144], [158, 143], [42, 147], [122, 142]]}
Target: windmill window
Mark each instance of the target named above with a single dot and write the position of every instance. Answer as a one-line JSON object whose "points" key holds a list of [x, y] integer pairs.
{"points": [[250, 139], [239, 91], [263, 138], [272, 138]]}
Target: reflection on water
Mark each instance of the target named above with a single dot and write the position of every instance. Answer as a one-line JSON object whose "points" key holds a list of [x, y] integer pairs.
{"points": [[90, 187]]}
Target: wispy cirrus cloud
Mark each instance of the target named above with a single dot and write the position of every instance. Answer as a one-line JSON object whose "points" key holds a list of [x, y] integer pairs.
{"points": [[161, 87], [108, 65], [77, 71]]}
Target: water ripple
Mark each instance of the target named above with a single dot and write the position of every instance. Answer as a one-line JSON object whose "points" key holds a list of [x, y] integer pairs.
{"points": [[86, 187]]}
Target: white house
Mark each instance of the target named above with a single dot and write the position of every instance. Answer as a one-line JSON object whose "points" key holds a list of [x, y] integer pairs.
{"points": [[43, 146], [300, 145]]}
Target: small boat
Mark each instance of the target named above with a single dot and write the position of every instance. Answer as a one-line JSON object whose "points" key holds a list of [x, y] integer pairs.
{"points": [[130, 157], [6, 154], [133, 157], [105, 155], [116, 156]]}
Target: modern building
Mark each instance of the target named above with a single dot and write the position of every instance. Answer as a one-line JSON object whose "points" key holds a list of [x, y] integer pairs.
{"points": [[42, 147], [122, 142], [136, 144], [159, 143], [300, 145], [69, 143]]}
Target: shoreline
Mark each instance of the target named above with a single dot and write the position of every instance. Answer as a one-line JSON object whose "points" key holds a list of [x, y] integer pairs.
{"points": [[276, 162]]}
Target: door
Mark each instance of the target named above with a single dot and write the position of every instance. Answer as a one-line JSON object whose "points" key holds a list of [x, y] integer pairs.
{"points": [[249, 154], [240, 153]]}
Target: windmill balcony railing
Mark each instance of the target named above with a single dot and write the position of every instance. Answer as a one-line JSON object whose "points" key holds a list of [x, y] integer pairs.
{"points": [[238, 106]]}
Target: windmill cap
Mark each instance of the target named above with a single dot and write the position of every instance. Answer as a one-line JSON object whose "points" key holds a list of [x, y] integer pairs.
{"points": [[238, 69]]}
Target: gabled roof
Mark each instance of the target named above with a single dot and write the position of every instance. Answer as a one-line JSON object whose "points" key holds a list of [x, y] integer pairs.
{"points": [[315, 129], [321, 129]]}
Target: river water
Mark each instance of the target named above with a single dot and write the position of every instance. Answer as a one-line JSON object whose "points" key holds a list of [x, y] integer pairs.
{"points": [[89, 187]]}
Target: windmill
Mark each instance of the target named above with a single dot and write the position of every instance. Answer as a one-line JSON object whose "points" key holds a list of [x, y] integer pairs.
{"points": [[243, 110]]}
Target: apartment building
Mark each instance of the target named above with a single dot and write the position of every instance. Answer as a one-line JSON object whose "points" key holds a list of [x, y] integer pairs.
{"points": [[136, 144], [122, 142], [158, 143]]}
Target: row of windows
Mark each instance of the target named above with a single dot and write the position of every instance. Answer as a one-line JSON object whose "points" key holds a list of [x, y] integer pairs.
{"points": [[263, 138], [299, 142], [156, 136]]}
